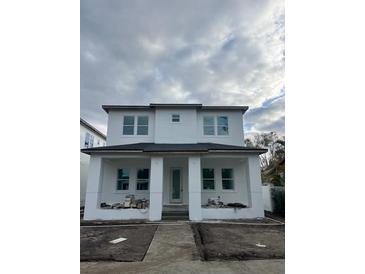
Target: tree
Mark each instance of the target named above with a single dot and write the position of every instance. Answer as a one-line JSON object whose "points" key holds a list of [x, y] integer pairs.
{"points": [[273, 161]]}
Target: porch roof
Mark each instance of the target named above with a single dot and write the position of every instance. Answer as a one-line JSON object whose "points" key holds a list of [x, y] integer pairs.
{"points": [[166, 148]]}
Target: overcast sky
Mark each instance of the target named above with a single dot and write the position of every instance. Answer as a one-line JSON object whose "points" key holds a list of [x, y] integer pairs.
{"points": [[212, 52]]}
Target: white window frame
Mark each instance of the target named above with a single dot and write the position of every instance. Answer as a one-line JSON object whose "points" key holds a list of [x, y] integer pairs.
{"points": [[215, 126], [214, 180], [232, 179], [135, 125]]}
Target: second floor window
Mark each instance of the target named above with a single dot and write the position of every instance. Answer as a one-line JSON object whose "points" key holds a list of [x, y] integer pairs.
{"points": [[175, 118], [128, 125], [215, 125], [89, 140], [222, 125], [131, 125], [142, 125], [208, 125]]}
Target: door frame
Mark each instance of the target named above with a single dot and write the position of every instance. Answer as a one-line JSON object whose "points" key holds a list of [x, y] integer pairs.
{"points": [[176, 201]]}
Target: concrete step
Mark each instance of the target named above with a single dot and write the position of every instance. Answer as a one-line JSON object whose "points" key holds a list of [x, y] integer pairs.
{"points": [[175, 213], [175, 218]]}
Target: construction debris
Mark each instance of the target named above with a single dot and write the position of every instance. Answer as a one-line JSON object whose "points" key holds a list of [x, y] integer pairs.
{"points": [[117, 240], [217, 203], [129, 202]]}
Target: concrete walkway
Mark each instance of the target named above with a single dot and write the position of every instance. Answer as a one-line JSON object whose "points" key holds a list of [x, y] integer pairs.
{"points": [[173, 250]]}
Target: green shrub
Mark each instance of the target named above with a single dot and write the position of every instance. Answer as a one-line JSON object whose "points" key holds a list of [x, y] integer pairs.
{"points": [[278, 198]]}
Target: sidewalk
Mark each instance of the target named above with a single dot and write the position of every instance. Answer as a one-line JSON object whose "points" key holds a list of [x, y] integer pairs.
{"points": [[173, 250]]}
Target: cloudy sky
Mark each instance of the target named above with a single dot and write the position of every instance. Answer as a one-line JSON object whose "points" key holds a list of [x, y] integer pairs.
{"points": [[212, 52]]}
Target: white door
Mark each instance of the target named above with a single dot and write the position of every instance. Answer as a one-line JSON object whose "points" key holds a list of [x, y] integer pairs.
{"points": [[176, 189]]}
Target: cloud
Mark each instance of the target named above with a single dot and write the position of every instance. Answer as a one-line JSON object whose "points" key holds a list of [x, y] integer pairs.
{"points": [[208, 51]]}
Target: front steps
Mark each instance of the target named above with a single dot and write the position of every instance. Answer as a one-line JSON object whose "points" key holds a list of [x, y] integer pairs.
{"points": [[175, 212]]}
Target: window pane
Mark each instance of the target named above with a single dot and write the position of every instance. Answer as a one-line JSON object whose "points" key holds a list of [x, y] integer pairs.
{"points": [[208, 184], [208, 121], [222, 130], [143, 173], [142, 130], [208, 173], [91, 144], [128, 130], [87, 139], [142, 185], [175, 117], [128, 120], [123, 185], [123, 173], [227, 184], [142, 120], [209, 130], [227, 173], [222, 121]]}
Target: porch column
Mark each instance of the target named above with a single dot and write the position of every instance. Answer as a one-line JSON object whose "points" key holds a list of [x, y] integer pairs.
{"points": [[92, 197], [255, 185], [195, 205], [156, 188]]}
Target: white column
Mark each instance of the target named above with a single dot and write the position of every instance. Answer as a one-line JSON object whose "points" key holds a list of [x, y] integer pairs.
{"points": [[156, 183], [255, 185], [195, 208], [92, 197]]}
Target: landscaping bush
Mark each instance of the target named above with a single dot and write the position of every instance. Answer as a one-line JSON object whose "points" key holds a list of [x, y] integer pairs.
{"points": [[278, 198]]}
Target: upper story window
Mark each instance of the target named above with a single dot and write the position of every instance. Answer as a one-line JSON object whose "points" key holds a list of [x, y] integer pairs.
{"points": [[175, 118], [142, 125], [89, 140], [222, 125], [209, 125], [215, 125], [128, 125]]}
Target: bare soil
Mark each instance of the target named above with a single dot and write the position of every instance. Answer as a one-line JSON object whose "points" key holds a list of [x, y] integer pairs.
{"points": [[95, 246], [238, 242]]}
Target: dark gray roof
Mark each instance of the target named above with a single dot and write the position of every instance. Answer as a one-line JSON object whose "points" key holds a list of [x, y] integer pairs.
{"points": [[153, 147], [177, 106], [86, 124]]}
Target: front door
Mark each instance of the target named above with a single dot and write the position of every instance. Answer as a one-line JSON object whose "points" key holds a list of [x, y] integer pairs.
{"points": [[176, 189]]}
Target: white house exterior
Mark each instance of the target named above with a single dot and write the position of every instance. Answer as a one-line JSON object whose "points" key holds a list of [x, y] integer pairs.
{"points": [[89, 137], [174, 154]]}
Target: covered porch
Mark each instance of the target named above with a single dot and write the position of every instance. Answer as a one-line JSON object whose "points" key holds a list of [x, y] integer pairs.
{"points": [[184, 181]]}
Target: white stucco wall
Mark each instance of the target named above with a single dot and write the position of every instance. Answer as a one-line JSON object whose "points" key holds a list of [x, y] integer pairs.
{"points": [[176, 132], [162, 130]]}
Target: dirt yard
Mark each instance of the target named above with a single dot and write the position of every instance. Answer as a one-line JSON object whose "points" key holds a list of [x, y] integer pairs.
{"points": [[238, 242], [95, 246]]}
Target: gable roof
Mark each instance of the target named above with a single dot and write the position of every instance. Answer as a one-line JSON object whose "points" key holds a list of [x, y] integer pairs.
{"points": [[174, 106], [153, 147], [90, 127]]}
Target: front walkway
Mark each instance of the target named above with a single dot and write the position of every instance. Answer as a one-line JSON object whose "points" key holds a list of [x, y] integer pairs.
{"points": [[173, 250]]}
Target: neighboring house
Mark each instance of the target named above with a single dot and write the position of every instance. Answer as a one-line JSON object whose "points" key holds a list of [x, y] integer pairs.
{"points": [[174, 154], [89, 137]]}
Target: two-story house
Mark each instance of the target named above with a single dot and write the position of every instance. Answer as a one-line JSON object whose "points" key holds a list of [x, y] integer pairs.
{"points": [[174, 154], [89, 137]]}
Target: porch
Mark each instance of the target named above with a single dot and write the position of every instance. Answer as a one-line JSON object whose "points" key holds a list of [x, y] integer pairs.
{"points": [[173, 182]]}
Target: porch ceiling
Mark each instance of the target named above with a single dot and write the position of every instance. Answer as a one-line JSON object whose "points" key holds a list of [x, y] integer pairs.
{"points": [[166, 148]]}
